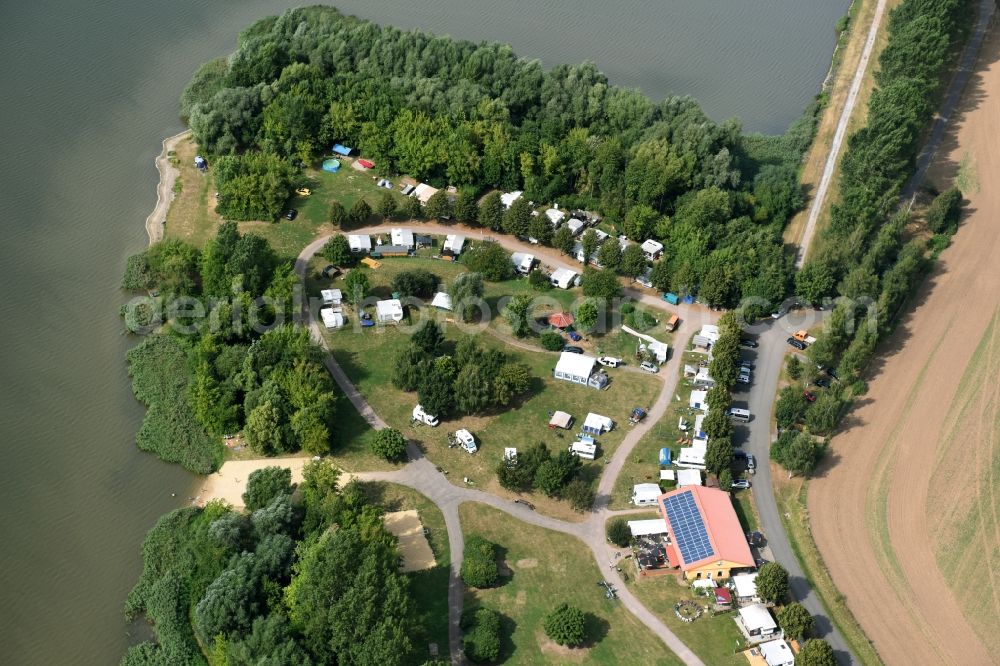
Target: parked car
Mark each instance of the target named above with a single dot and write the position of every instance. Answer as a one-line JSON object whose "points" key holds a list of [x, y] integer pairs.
{"points": [[749, 343], [751, 463], [609, 361], [811, 397], [331, 271], [741, 484], [779, 313], [291, 213], [573, 350], [821, 382], [574, 336], [747, 365], [830, 372], [798, 344], [649, 367], [744, 378], [755, 539]]}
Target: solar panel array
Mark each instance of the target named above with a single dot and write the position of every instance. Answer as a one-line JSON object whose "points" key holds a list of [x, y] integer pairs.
{"points": [[688, 526]]}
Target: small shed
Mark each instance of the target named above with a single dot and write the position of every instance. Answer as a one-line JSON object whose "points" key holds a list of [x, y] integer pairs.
{"points": [[654, 526], [332, 297], [575, 226], [652, 249], [389, 311], [341, 149], [331, 319], [561, 420], [596, 424], [645, 494], [688, 477], [360, 243], [441, 301], [562, 278], [560, 319], [723, 597]]}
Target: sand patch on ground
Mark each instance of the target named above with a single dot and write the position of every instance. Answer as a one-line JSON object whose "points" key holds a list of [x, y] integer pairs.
{"points": [[230, 481], [413, 545], [527, 563], [920, 576], [561, 652]]}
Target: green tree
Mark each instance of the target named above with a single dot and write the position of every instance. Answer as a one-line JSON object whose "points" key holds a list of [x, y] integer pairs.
{"points": [[357, 285], [338, 215], [387, 206], [719, 455], [590, 242], [473, 390], [795, 621], [491, 213], [517, 312], [466, 208], [601, 284], [539, 281], [553, 474], [412, 209], [428, 338], [586, 315], [815, 652], [439, 206], [512, 380], [726, 479], [252, 186], [579, 494], [566, 625], [563, 240], [479, 563], [389, 444], [482, 642], [640, 222], [772, 582], [264, 484], [516, 218], [797, 452], [633, 261], [815, 281], [551, 340], [610, 255], [264, 431], [824, 414], [490, 260], [790, 407], [338, 251], [436, 390], [408, 367], [794, 367], [466, 292], [945, 210], [540, 228], [360, 213], [619, 532], [417, 282]]}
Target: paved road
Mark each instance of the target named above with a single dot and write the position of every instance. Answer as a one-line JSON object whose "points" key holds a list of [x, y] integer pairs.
{"points": [[423, 476], [816, 206], [757, 437]]}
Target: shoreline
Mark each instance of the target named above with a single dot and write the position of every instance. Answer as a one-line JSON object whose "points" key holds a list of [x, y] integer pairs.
{"points": [[157, 219]]}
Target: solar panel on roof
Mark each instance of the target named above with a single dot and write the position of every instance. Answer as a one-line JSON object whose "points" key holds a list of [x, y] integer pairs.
{"points": [[689, 527]]}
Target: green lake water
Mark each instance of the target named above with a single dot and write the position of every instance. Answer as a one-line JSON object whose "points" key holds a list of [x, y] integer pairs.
{"points": [[89, 91]]}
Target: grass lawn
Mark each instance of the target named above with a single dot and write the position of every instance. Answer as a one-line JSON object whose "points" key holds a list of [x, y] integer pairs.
{"points": [[367, 356], [746, 509], [714, 639], [192, 215], [547, 568], [790, 495], [429, 587]]}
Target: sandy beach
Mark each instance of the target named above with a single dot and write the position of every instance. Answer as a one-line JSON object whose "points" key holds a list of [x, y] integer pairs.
{"points": [[230, 481], [165, 188]]}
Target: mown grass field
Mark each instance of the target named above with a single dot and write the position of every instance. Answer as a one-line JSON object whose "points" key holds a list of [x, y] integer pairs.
{"points": [[546, 568]]}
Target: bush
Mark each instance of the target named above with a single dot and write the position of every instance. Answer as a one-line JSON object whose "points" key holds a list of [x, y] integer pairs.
{"points": [[552, 341], [815, 652], [539, 281], [795, 621], [337, 251], [794, 367], [490, 260], [580, 495], [566, 625], [945, 210], [479, 563], [482, 642], [772, 582], [137, 274], [389, 444], [263, 485], [419, 282], [619, 533]]}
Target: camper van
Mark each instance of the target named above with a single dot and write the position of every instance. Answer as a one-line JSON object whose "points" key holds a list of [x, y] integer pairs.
{"points": [[737, 414], [420, 416], [585, 448]]}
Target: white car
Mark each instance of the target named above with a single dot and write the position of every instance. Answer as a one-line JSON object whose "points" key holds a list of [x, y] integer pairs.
{"points": [[466, 440], [649, 367], [609, 361], [741, 484]]}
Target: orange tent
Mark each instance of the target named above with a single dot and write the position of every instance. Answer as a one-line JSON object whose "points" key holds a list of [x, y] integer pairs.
{"points": [[561, 319]]}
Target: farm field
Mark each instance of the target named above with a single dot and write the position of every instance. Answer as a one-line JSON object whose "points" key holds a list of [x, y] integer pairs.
{"points": [[544, 568], [918, 462]]}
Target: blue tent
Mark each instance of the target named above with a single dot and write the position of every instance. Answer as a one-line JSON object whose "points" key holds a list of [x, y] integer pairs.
{"points": [[664, 456], [341, 149]]}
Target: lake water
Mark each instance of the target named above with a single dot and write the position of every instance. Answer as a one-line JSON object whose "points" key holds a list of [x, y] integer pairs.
{"points": [[90, 89]]}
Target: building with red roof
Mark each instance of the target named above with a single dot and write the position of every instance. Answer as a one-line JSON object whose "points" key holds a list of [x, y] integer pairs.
{"points": [[705, 534]]}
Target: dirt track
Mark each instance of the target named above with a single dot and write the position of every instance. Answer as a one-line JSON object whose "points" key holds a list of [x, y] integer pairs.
{"points": [[889, 470]]}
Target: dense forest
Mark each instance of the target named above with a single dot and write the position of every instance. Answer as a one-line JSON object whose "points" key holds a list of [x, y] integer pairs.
{"points": [[478, 117], [282, 584], [236, 367]]}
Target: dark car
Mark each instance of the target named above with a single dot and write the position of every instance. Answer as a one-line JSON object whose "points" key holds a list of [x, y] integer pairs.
{"points": [[748, 343], [573, 350], [821, 382], [798, 344], [810, 397], [291, 213], [830, 372], [574, 336]]}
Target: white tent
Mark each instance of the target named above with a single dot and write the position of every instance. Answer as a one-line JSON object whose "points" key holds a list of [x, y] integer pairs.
{"points": [[652, 249], [331, 319], [746, 586], [596, 424], [562, 278], [389, 311], [453, 243], [360, 243], [332, 296], [574, 367], [442, 301], [424, 192], [777, 653], [688, 477], [508, 198], [647, 527], [697, 400], [402, 237]]}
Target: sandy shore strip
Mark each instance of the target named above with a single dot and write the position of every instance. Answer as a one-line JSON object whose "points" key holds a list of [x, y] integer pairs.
{"points": [[165, 189], [230, 481]]}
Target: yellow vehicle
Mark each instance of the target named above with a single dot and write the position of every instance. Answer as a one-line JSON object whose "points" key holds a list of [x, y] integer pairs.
{"points": [[303, 191]]}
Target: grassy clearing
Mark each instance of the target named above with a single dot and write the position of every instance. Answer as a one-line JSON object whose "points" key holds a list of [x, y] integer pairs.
{"points": [[544, 569], [367, 355], [429, 587], [192, 215], [790, 495], [746, 510], [716, 639]]}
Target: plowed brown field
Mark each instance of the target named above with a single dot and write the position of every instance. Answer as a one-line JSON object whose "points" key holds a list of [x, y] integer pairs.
{"points": [[906, 514]]}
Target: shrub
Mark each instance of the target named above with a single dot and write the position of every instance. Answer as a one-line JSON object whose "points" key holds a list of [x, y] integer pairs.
{"points": [[815, 652], [944, 211], [389, 444], [794, 367], [795, 620], [538, 280], [580, 495], [418, 282], [552, 341], [263, 485], [490, 260], [566, 625], [482, 642], [337, 251], [618, 532], [772, 582], [479, 563]]}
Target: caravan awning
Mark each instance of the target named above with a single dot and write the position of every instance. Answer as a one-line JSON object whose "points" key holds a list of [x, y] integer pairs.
{"points": [[560, 420], [647, 527]]}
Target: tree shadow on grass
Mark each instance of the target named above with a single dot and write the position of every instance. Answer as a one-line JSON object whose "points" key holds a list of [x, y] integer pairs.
{"points": [[596, 627]]}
